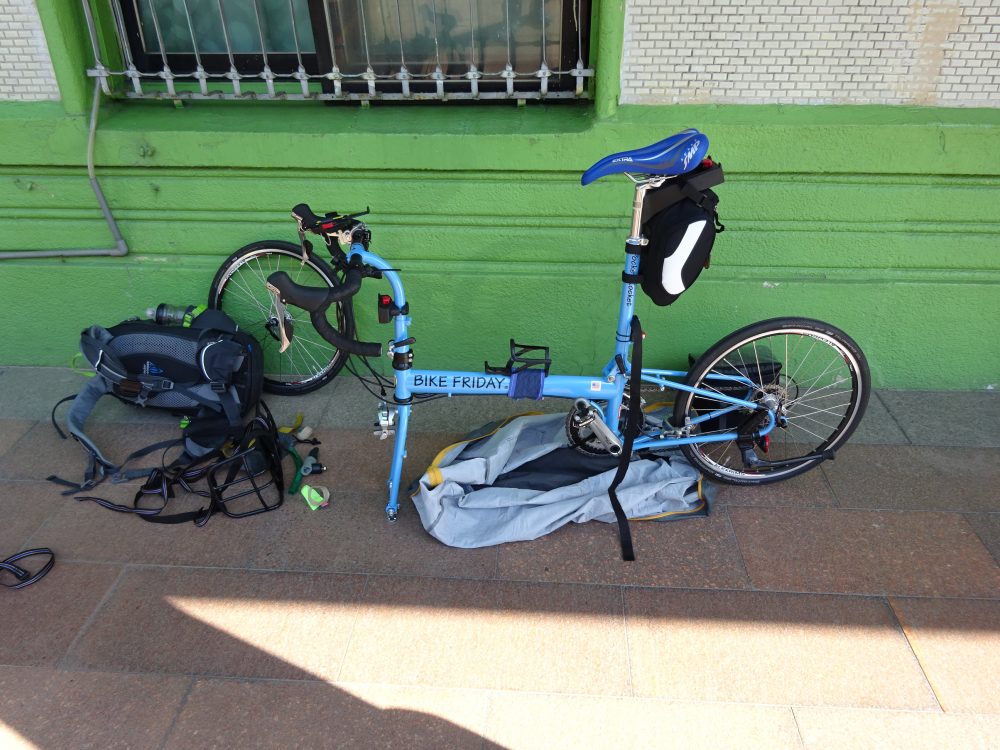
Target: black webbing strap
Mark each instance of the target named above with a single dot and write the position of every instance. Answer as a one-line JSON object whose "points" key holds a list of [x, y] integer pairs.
{"points": [[160, 482], [52, 415], [26, 577], [633, 422], [97, 471]]}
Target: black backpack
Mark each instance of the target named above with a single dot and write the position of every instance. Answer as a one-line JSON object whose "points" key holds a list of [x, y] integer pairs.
{"points": [[206, 371], [680, 221], [208, 365]]}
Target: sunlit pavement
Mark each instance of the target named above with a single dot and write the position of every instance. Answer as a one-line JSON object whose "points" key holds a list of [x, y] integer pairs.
{"points": [[856, 606]]}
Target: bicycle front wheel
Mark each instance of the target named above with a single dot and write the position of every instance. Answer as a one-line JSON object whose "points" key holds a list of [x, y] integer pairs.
{"points": [[239, 289], [814, 377]]}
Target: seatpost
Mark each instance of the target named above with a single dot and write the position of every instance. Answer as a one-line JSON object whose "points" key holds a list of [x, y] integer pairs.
{"points": [[641, 186]]}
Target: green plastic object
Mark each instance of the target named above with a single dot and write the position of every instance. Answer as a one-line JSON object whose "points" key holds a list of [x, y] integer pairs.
{"points": [[315, 498]]}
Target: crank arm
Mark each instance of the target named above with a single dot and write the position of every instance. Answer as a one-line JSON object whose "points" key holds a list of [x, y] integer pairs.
{"points": [[280, 312], [603, 433]]}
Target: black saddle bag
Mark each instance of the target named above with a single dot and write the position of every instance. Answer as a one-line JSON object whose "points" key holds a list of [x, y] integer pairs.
{"points": [[680, 221]]}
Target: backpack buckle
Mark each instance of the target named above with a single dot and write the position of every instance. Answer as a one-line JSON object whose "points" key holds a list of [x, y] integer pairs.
{"points": [[217, 386], [129, 388]]}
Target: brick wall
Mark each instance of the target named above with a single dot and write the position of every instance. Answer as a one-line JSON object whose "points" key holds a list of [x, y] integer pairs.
{"points": [[25, 67], [943, 52]]}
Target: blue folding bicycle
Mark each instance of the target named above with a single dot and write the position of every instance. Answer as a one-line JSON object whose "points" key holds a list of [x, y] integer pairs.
{"points": [[766, 403]]}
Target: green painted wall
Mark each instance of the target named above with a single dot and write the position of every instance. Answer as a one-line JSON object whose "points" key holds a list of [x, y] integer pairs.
{"points": [[883, 221]]}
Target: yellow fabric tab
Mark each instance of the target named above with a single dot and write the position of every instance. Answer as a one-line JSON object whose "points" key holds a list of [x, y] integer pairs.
{"points": [[294, 426]]}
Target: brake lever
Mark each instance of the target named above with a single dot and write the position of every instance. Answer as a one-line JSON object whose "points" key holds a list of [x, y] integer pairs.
{"points": [[305, 244], [280, 312]]}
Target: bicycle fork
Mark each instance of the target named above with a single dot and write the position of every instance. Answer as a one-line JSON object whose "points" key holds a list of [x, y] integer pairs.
{"points": [[394, 419]]}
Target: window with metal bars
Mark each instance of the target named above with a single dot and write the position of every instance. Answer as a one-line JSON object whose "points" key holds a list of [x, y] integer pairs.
{"points": [[353, 49]]}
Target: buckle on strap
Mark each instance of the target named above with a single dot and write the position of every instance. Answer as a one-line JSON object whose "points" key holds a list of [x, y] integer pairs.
{"points": [[218, 386], [129, 388]]}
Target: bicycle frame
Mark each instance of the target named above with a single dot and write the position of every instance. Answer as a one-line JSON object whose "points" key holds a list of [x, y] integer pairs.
{"points": [[607, 387]]}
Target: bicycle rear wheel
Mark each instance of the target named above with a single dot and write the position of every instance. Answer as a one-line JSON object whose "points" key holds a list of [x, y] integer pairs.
{"points": [[814, 374], [239, 289]]}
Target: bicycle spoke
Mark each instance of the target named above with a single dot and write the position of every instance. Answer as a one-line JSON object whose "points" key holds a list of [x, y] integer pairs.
{"points": [[248, 294], [813, 383], [830, 410], [243, 295], [818, 390], [818, 437]]}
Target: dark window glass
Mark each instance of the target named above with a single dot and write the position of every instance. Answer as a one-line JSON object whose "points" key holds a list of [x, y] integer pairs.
{"points": [[429, 39]]}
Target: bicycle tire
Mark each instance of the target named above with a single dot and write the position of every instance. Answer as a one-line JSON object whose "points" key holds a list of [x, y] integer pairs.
{"points": [[818, 418], [310, 362]]}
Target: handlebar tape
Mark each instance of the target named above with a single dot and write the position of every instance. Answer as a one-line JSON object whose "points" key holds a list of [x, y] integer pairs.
{"points": [[335, 337], [316, 300]]}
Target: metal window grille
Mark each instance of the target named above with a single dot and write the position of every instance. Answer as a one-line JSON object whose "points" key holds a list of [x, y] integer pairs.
{"points": [[346, 49]]}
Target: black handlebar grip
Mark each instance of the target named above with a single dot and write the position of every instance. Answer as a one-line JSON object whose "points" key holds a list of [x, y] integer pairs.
{"points": [[335, 337], [307, 297], [313, 298], [316, 299], [350, 287]]}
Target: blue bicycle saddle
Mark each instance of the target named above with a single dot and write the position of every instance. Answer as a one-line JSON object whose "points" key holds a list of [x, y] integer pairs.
{"points": [[677, 154]]}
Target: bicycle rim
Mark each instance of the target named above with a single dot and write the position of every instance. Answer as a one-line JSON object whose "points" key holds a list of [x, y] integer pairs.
{"points": [[818, 382], [310, 360]]}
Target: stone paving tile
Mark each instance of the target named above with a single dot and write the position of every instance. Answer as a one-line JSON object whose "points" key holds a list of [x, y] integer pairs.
{"points": [[312, 406], [758, 647], [809, 490], [24, 506], [232, 623], [31, 392], [916, 477], [987, 526], [86, 531], [697, 552], [357, 461], [877, 426], [487, 634], [558, 722], [864, 552], [947, 418], [230, 713], [866, 729], [958, 645], [42, 452], [12, 430], [44, 708], [351, 535], [41, 621]]}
